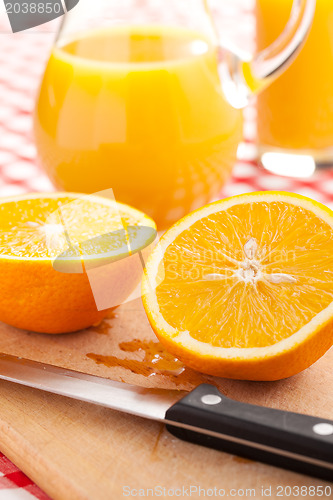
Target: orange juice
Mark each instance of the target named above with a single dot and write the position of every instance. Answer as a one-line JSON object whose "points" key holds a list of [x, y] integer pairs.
{"points": [[138, 109], [296, 111]]}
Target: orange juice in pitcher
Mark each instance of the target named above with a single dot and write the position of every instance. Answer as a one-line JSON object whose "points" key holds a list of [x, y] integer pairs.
{"points": [[139, 110], [141, 107]]}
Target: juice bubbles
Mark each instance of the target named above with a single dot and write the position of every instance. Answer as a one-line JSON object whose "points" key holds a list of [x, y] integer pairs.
{"points": [[138, 109], [296, 111]]}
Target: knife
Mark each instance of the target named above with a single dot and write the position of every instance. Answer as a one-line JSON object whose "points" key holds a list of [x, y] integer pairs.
{"points": [[203, 416]]}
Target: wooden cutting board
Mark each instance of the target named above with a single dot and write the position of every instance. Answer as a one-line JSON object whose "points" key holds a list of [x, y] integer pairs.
{"points": [[75, 450]]}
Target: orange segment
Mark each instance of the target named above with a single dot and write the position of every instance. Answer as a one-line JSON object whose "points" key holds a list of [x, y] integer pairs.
{"points": [[38, 228], [238, 287]]}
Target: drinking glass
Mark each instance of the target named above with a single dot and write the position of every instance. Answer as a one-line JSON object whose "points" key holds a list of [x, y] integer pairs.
{"points": [[295, 114]]}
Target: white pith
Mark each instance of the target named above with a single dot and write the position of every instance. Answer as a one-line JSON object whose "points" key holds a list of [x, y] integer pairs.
{"points": [[250, 269], [250, 272]]}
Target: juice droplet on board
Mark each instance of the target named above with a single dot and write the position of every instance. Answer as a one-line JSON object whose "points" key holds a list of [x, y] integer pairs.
{"points": [[104, 326], [155, 356], [156, 361]]}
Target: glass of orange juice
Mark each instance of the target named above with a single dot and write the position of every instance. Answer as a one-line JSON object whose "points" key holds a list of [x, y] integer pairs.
{"points": [[295, 114], [133, 99]]}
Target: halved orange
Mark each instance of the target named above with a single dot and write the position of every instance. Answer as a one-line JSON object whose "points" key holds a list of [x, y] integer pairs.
{"points": [[243, 288], [66, 259]]}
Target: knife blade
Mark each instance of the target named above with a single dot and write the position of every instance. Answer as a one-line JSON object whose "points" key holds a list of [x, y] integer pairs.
{"points": [[204, 416]]}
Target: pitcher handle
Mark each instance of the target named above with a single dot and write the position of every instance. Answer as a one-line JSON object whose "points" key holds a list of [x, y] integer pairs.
{"points": [[243, 76]]}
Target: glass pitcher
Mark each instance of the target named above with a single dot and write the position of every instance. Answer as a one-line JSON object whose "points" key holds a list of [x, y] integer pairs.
{"points": [[145, 97]]}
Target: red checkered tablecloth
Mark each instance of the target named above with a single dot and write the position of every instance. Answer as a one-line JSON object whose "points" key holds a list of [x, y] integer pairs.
{"points": [[22, 59], [14, 485]]}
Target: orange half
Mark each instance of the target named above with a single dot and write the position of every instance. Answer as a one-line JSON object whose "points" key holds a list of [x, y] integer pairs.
{"points": [[242, 288], [66, 258]]}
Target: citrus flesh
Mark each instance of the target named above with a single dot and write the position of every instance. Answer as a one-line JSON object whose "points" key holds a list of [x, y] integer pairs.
{"points": [[242, 288], [38, 228]]}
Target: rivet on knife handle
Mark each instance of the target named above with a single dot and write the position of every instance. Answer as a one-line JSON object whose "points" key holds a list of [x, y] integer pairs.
{"points": [[293, 441]]}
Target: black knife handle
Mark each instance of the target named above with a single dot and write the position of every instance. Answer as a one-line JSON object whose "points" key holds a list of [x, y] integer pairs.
{"points": [[290, 440]]}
